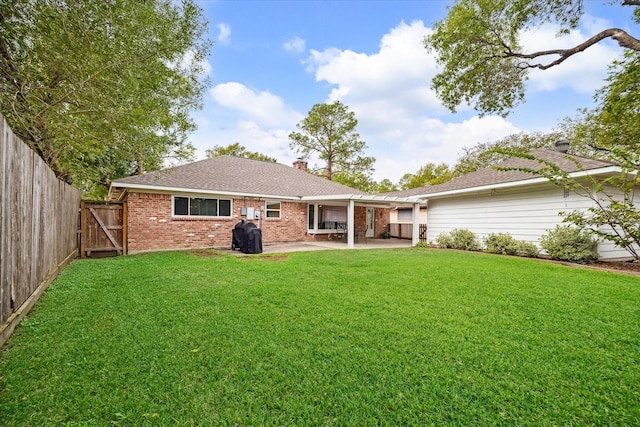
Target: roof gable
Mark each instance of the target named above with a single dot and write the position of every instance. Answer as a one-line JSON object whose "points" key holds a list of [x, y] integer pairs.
{"points": [[229, 174]]}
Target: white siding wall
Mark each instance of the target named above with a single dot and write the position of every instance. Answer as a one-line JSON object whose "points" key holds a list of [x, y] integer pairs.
{"points": [[525, 214]]}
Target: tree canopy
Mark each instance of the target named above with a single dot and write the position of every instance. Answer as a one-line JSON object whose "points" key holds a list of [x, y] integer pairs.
{"points": [[614, 123], [102, 89], [429, 174], [329, 131], [478, 45], [238, 150]]}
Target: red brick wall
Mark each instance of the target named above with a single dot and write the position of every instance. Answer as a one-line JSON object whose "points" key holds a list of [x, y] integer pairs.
{"points": [[381, 221], [151, 227]]}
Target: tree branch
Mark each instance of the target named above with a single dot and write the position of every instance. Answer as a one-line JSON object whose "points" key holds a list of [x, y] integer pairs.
{"points": [[623, 38]]}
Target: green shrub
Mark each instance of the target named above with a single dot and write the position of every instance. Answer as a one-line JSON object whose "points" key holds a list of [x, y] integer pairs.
{"points": [[501, 243], [566, 243], [528, 249], [422, 245], [444, 240], [505, 244], [458, 238]]}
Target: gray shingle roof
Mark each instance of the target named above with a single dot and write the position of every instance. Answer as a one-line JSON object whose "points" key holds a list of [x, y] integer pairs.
{"points": [[231, 174], [491, 176]]}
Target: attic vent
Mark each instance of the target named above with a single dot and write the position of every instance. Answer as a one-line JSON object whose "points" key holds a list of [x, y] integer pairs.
{"points": [[562, 146]]}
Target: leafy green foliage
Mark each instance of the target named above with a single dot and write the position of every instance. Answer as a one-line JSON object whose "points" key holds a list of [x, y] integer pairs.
{"points": [[428, 174], [102, 90], [360, 180], [458, 238], [373, 337], [238, 150], [478, 47], [386, 186], [329, 130], [484, 155], [505, 244], [567, 243], [615, 122]]}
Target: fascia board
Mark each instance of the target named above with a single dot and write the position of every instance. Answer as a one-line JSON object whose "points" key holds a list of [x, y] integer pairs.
{"points": [[361, 198], [200, 191]]}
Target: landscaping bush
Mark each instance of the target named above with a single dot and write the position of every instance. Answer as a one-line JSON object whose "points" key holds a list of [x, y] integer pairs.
{"points": [[444, 240], [528, 249], [505, 244], [458, 238], [501, 243], [566, 243]]}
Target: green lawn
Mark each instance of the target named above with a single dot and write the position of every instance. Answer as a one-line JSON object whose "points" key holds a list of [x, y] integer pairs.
{"points": [[375, 337]]}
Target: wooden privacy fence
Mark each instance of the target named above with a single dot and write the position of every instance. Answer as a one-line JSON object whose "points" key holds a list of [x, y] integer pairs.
{"points": [[103, 229], [38, 228], [405, 231]]}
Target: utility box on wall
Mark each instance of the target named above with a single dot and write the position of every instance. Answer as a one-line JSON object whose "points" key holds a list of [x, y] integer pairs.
{"points": [[248, 212]]}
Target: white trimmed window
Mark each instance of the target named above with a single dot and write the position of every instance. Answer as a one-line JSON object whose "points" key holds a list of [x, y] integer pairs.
{"points": [[273, 209], [201, 207], [405, 214]]}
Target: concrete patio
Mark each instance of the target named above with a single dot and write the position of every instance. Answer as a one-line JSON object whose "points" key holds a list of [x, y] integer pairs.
{"points": [[334, 245]]}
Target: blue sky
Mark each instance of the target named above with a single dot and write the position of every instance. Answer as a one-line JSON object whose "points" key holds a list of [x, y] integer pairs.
{"points": [[273, 60]]}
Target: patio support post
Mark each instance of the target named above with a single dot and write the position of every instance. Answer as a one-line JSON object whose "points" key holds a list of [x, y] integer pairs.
{"points": [[415, 235], [350, 226]]}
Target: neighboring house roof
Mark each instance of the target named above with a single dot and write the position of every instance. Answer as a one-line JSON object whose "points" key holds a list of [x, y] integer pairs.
{"points": [[237, 175], [491, 177]]}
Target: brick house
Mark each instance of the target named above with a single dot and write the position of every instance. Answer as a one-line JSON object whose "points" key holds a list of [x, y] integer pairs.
{"points": [[198, 204]]}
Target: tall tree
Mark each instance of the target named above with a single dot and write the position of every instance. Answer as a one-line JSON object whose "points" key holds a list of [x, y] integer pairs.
{"points": [[238, 150], [614, 123], [428, 174], [386, 186], [479, 48], [360, 180], [101, 89], [330, 131]]}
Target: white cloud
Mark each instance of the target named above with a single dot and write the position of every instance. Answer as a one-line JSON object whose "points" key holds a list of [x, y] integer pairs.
{"points": [[399, 116], [402, 69], [258, 120], [263, 107], [224, 34], [295, 45], [253, 136], [407, 149]]}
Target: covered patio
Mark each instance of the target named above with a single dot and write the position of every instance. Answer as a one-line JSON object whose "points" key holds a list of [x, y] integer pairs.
{"points": [[331, 215]]}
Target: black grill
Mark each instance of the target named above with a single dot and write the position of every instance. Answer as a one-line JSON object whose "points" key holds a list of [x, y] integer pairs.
{"points": [[247, 238]]}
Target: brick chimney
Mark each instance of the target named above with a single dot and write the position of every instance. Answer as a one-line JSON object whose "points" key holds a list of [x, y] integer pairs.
{"points": [[300, 164]]}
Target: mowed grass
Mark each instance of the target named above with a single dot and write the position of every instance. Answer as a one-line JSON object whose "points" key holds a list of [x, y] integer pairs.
{"points": [[377, 337]]}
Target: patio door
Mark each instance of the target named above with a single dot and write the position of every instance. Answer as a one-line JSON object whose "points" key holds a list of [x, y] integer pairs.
{"points": [[371, 222]]}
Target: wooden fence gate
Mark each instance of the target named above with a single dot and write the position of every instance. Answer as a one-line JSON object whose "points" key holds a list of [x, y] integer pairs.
{"points": [[103, 229]]}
